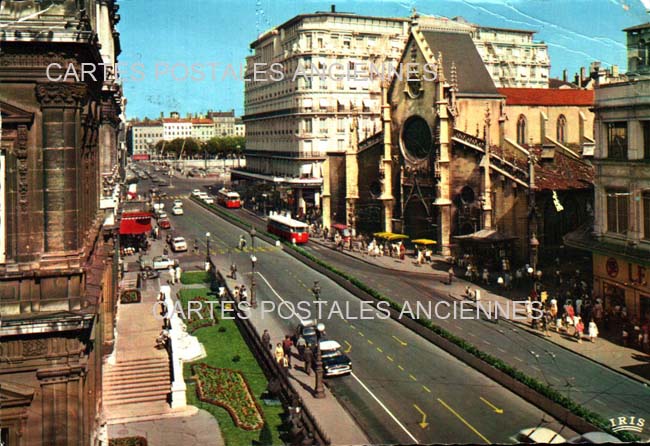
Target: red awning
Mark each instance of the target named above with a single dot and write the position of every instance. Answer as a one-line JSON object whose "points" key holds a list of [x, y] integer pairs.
{"points": [[135, 223], [140, 157]]}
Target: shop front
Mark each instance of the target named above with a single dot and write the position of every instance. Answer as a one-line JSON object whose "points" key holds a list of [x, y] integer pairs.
{"points": [[620, 282]]}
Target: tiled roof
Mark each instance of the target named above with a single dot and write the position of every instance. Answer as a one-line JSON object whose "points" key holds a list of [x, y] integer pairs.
{"points": [[203, 121], [176, 121], [547, 96], [564, 173]]}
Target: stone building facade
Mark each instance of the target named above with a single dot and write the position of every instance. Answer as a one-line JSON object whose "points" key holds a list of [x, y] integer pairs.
{"points": [[447, 166], [60, 153], [620, 238]]}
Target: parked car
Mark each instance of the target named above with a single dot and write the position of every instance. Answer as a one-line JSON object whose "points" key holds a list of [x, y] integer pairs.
{"points": [[595, 438], [160, 215], [177, 210], [538, 434], [157, 263], [335, 362], [179, 244], [197, 192], [208, 200], [164, 224], [178, 203]]}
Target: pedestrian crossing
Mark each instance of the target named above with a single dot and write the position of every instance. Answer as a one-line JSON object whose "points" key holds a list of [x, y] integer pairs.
{"points": [[176, 197]]}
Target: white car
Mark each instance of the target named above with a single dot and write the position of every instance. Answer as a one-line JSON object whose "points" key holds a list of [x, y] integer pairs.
{"points": [[538, 435], [208, 200], [177, 210], [158, 262], [161, 215], [178, 203], [179, 244], [197, 192]]}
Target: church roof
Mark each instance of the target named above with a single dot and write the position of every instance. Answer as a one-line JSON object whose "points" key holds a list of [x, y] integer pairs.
{"points": [[473, 77], [548, 96]]}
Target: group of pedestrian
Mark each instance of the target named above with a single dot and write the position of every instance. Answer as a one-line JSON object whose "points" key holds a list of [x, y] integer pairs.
{"points": [[283, 351]]}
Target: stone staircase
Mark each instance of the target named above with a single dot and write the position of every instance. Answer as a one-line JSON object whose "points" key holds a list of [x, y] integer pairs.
{"points": [[131, 384]]}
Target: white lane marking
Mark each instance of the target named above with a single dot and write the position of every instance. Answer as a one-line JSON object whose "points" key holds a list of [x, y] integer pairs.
{"points": [[385, 408], [269, 285], [518, 359]]}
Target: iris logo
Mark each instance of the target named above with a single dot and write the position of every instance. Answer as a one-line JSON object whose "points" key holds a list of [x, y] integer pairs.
{"points": [[627, 424]]}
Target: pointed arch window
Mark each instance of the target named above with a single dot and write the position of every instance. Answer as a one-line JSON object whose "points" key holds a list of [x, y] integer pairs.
{"points": [[521, 130], [561, 129]]}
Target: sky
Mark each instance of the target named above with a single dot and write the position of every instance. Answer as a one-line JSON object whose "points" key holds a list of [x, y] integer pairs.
{"points": [[161, 40]]}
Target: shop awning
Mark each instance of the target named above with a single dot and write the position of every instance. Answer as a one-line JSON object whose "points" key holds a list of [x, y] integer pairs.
{"points": [[135, 223], [424, 241], [485, 236], [390, 236]]}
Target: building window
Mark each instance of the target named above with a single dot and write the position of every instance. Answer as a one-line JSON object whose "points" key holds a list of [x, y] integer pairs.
{"points": [[308, 126], [341, 144], [643, 53], [617, 140], [646, 139], [521, 130], [340, 125], [617, 211], [323, 126], [309, 41], [646, 215], [561, 129]]}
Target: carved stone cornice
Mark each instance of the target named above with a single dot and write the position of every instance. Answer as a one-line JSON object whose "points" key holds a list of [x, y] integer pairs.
{"points": [[61, 94], [38, 60]]}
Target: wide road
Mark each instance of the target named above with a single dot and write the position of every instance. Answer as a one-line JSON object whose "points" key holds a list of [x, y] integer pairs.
{"points": [[403, 389], [602, 390]]}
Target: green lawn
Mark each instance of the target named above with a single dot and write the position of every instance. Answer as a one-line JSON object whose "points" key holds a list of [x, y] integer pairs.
{"points": [[226, 348], [192, 277]]}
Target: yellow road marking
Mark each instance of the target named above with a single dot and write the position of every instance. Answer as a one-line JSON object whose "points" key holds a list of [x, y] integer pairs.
{"points": [[426, 389], [402, 343], [349, 347], [400, 367], [494, 408], [361, 334], [412, 377], [423, 424], [389, 358], [380, 350], [370, 342], [472, 428]]}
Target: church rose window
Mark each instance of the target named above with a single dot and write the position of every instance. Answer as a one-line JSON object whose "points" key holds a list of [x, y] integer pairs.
{"points": [[417, 139]]}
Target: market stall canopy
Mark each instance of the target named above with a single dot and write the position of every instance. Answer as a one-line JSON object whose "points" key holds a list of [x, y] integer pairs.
{"points": [[485, 236], [390, 236], [339, 226], [424, 241], [135, 223]]}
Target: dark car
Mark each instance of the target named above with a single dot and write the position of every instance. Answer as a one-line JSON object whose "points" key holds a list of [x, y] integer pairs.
{"points": [[307, 329], [335, 362], [164, 224]]}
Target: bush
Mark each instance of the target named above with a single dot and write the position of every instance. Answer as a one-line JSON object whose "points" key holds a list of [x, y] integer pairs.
{"points": [[128, 441]]}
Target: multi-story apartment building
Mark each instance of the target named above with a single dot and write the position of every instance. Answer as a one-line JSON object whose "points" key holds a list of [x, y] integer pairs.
{"points": [[143, 136], [620, 241], [511, 56], [203, 129], [226, 123], [293, 123], [59, 177], [176, 128]]}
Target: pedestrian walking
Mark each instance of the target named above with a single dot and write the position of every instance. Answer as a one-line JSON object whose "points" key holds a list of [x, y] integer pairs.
{"points": [[242, 242], [278, 353], [486, 276], [593, 331], [196, 246], [308, 357], [450, 273], [172, 275], [233, 271], [301, 344], [580, 328], [286, 347], [266, 339]]}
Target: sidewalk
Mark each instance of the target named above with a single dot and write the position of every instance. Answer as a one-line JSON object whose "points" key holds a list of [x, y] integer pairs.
{"points": [[335, 421], [134, 413], [628, 361]]}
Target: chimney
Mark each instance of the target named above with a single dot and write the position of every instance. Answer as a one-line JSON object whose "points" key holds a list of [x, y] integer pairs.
{"points": [[583, 75], [576, 79], [565, 75], [614, 71], [162, 115], [333, 8]]}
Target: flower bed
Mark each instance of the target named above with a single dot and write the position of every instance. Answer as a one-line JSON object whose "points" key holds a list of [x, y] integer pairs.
{"points": [[130, 297], [193, 321], [128, 441], [228, 389]]}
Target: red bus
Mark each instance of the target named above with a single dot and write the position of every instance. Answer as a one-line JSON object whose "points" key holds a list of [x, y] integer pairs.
{"points": [[287, 228], [228, 198]]}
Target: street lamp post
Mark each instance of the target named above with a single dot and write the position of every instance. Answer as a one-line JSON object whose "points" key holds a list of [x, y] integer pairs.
{"points": [[253, 233], [316, 290], [207, 251], [319, 391]]}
